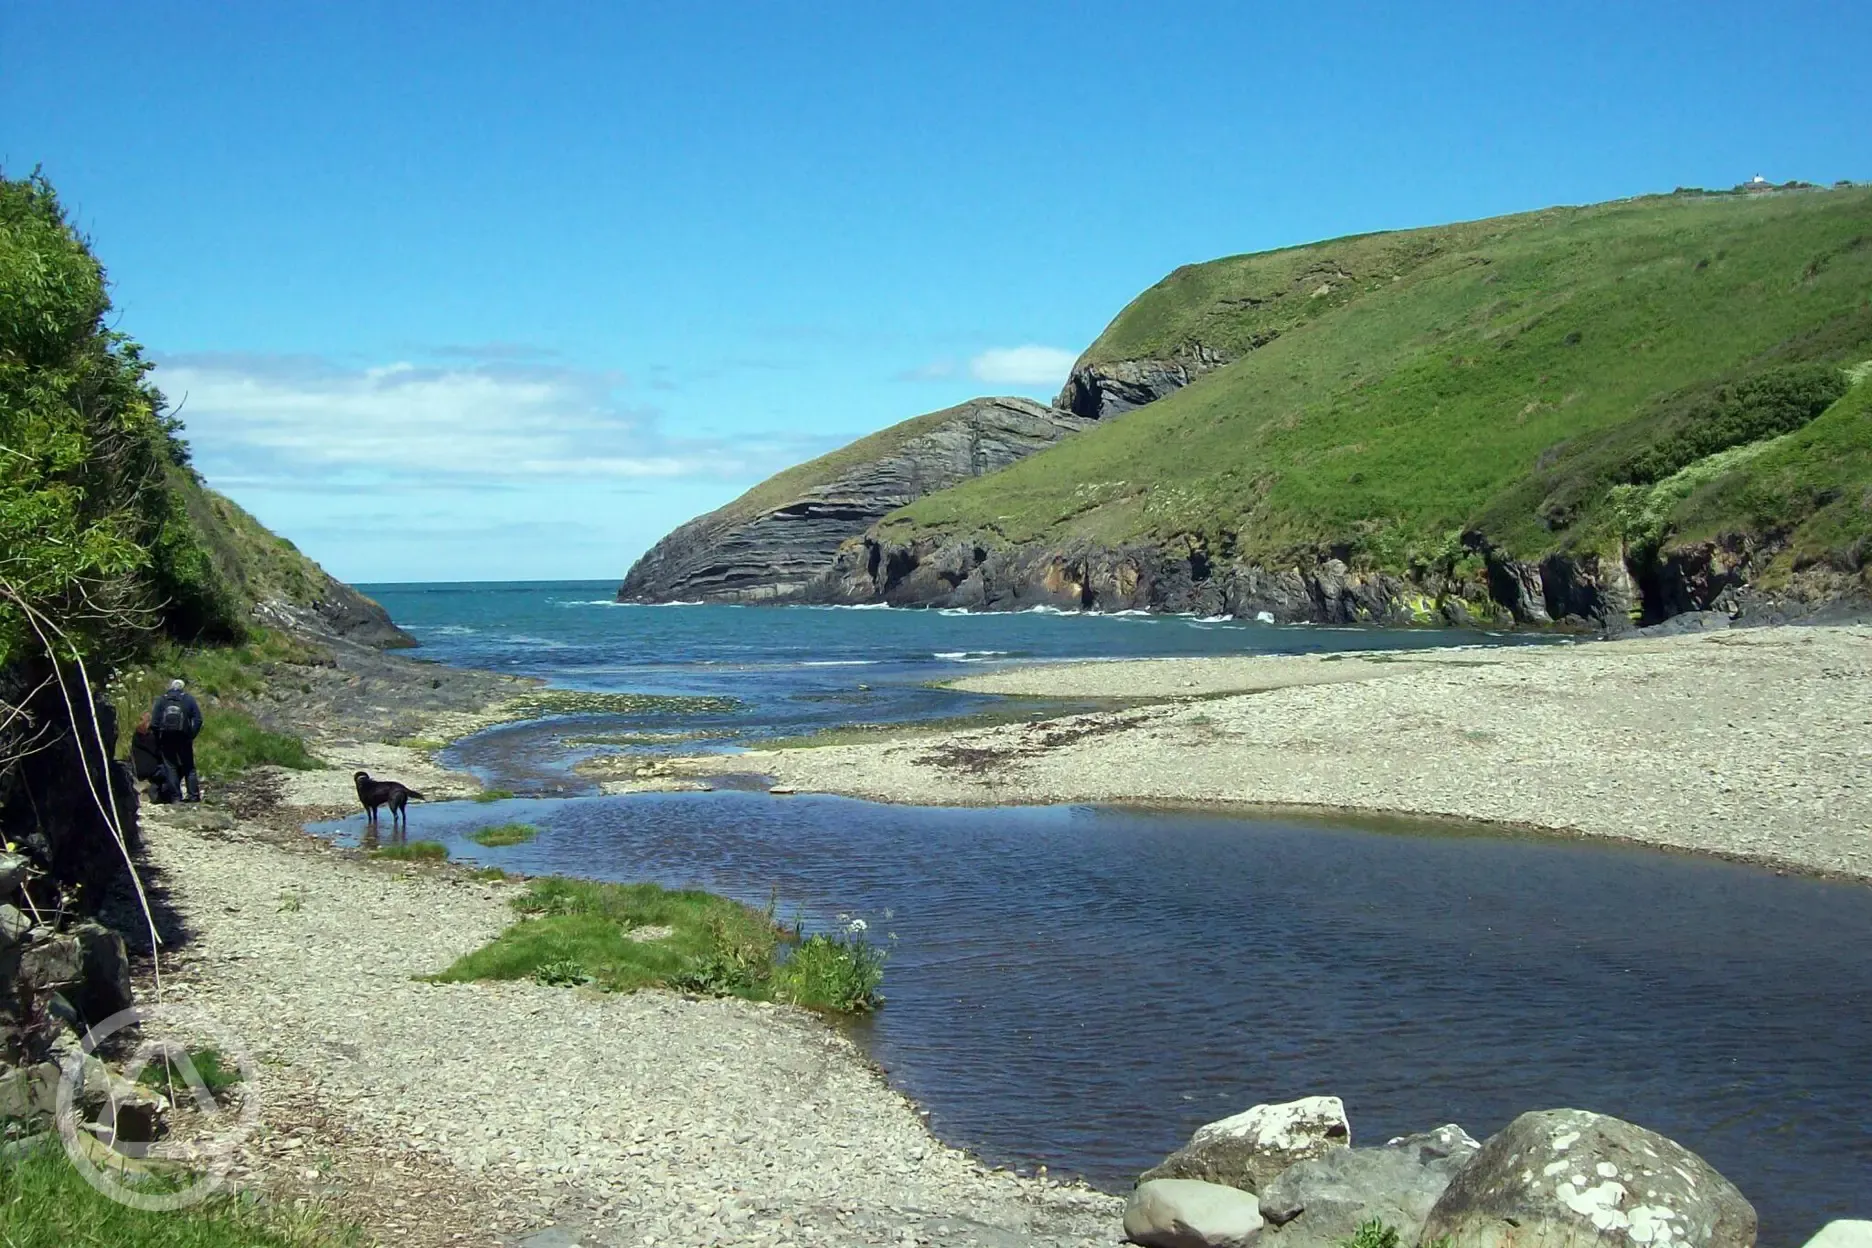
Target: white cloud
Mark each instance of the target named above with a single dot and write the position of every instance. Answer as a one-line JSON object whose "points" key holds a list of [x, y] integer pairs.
{"points": [[1023, 366], [295, 418]]}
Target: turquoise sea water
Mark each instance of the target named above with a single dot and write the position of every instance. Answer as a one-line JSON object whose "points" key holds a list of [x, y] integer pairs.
{"points": [[1080, 987]]}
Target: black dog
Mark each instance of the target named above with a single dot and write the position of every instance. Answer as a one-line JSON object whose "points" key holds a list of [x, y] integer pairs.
{"points": [[375, 793]]}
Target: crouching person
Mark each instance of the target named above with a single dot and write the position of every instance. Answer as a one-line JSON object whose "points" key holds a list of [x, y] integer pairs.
{"points": [[146, 763]]}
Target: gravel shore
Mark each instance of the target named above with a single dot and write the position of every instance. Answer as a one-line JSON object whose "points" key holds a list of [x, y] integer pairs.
{"points": [[1748, 744], [518, 1113]]}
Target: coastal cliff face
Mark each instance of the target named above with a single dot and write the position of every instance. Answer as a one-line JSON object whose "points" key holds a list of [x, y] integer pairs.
{"points": [[775, 544], [1733, 576], [1604, 416], [1090, 577]]}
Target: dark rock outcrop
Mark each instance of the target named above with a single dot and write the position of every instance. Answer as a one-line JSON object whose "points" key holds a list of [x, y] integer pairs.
{"points": [[1579, 591], [1568, 1178], [1114, 387], [338, 611], [775, 552], [1084, 576]]}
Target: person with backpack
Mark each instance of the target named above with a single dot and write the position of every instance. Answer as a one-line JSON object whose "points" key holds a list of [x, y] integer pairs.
{"points": [[177, 718]]}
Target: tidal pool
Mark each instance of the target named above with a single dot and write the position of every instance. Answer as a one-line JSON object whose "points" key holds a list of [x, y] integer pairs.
{"points": [[1081, 987]]}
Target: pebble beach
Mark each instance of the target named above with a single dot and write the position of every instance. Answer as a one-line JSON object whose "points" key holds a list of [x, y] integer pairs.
{"points": [[1748, 744]]}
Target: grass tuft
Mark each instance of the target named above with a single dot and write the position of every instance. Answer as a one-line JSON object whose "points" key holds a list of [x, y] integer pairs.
{"points": [[565, 973], [1372, 1234], [839, 973], [493, 795], [44, 1203], [215, 1071], [580, 932], [412, 851], [502, 834]]}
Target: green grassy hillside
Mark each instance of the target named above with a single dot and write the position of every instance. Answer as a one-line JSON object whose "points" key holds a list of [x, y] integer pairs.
{"points": [[1525, 376]]}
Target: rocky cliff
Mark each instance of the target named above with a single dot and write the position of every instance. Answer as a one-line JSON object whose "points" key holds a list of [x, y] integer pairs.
{"points": [[275, 583], [778, 541]]}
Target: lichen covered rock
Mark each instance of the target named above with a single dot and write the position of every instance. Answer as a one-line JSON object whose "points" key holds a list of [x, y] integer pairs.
{"points": [[1569, 1178], [1249, 1149]]}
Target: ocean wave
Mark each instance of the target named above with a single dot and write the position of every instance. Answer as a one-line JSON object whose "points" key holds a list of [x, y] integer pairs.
{"points": [[831, 606], [838, 662], [612, 602], [968, 656], [1043, 609]]}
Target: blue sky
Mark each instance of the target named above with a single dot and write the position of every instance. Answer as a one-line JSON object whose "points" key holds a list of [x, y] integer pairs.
{"points": [[495, 291]]}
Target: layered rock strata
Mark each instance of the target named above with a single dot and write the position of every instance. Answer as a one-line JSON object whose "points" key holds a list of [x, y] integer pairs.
{"points": [[775, 552]]}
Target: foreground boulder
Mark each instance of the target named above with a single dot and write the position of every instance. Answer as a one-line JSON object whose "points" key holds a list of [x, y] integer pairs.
{"points": [[1188, 1213], [1319, 1202], [1568, 1178], [1843, 1234], [1249, 1149]]}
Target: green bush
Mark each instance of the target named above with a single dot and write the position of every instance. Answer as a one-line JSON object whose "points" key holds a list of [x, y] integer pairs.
{"points": [[93, 473], [493, 795], [1794, 486], [1700, 422]]}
